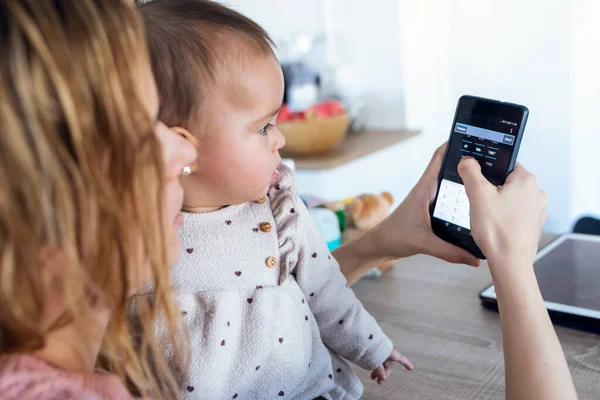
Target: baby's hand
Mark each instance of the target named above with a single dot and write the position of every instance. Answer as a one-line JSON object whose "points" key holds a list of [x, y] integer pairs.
{"points": [[380, 374]]}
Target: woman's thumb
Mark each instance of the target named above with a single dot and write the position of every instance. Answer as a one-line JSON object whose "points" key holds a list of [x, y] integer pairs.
{"points": [[470, 172]]}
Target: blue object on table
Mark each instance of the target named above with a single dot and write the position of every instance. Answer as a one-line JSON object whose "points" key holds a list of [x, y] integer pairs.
{"points": [[329, 226]]}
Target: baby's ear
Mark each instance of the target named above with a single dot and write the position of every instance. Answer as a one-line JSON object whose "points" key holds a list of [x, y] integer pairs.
{"points": [[184, 133], [388, 196]]}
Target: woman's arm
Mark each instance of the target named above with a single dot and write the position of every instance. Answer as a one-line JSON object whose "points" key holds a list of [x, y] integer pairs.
{"points": [[357, 257], [506, 223], [535, 365], [406, 232]]}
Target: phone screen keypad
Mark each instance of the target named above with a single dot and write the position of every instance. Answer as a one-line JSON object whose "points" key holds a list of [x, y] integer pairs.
{"points": [[453, 205]]}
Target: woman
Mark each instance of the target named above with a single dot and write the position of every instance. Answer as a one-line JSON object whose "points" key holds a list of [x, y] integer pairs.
{"points": [[89, 201]]}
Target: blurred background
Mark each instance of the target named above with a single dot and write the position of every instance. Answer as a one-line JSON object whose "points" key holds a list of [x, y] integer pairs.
{"points": [[399, 67]]}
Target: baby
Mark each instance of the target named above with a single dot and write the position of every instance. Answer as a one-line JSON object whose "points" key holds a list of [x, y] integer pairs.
{"points": [[269, 313]]}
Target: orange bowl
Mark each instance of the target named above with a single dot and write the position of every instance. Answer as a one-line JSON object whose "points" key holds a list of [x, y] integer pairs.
{"points": [[314, 134]]}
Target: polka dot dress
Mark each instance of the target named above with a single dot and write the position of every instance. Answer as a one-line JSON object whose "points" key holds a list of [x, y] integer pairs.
{"points": [[253, 281]]}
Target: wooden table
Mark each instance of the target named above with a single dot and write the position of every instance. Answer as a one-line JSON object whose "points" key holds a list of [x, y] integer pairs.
{"points": [[431, 311]]}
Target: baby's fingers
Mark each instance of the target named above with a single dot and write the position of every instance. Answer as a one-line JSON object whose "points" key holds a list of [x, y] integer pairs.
{"points": [[400, 358], [379, 374]]}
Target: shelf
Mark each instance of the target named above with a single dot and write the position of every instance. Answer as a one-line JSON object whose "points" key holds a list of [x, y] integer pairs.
{"points": [[355, 146]]}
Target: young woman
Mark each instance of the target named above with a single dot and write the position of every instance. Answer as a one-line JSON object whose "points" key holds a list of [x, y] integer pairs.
{"points": [[89, 201]]}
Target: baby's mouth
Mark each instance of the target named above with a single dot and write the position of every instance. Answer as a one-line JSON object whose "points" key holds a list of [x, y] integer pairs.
{"points": [[275, 177]]}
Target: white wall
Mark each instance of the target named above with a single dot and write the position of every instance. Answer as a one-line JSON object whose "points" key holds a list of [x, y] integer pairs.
{"points": [[367, 38], [512, 50], [282, 18], [585, 149], [540, 53]]}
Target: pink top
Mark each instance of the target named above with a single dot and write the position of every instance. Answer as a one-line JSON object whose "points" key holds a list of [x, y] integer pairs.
{"points": [[25, 377]]}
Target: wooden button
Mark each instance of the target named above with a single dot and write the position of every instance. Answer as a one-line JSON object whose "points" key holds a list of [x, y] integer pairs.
{"points": [[261, 200], [271, 261], [265, 227]]}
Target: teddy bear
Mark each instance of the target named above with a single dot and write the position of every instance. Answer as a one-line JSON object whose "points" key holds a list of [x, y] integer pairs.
{"points": [[363, 213]]}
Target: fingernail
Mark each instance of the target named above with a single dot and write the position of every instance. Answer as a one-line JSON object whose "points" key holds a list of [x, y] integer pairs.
{"points": [[470, 262]]}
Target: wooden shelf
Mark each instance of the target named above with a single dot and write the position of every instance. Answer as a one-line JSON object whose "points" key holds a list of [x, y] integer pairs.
{"points": [[355, 146]]}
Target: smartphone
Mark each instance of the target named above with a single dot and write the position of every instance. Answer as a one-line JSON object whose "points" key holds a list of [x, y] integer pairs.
{"points": [[491, 132]]}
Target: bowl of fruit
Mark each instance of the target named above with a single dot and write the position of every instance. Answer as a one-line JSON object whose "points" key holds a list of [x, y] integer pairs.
{"points": [[313, 131]]}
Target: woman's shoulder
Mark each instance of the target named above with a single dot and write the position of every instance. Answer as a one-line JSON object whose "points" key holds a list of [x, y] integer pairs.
{"points": [[26, 377]]}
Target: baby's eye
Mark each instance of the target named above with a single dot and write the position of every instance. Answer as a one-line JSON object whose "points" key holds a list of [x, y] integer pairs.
{"points": [[265, 129]]}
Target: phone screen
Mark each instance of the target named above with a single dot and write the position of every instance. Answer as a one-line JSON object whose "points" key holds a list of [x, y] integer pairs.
{"points": [[489, 132]]}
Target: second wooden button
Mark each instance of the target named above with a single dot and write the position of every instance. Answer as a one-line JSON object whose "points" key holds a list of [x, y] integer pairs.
{"points": [[265, 227], [271, 262]]}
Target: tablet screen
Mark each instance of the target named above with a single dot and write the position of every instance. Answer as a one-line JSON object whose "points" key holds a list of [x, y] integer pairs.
{"points": [[570, 274]]}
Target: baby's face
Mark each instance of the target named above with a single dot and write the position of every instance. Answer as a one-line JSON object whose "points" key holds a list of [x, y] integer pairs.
{"points": [[238, 150]]}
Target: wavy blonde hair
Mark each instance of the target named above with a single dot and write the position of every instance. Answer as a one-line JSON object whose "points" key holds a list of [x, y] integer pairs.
{"points": [[81, 172]]}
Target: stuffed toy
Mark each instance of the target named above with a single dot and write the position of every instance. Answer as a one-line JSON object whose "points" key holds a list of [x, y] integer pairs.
{"points": [[362, 214]]}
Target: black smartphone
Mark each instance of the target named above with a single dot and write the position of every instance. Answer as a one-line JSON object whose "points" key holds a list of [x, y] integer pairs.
{"points": [[489, 131]]}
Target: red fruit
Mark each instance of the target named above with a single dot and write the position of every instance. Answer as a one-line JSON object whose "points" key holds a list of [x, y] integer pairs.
{"points": [[285, 114], [321, 110], [334, 107], [299, 116], [328, 108]]}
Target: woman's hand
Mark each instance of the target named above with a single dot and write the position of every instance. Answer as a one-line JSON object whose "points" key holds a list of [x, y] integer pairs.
{"points": [[506, 221], [407, 231]]}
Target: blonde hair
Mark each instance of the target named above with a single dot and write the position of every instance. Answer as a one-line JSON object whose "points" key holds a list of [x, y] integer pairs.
{"points": [[82, 173]]}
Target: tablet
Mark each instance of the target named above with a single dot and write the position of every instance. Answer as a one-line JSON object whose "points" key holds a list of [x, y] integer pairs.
{"points": [[568, 273]]}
